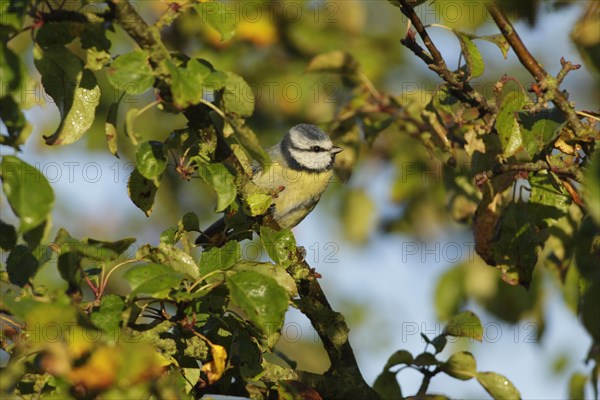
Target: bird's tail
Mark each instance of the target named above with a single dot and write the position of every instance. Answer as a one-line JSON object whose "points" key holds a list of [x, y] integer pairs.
{"points": [[214, 235]]}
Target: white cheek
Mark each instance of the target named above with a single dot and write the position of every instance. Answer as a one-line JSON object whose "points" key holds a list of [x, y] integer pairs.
{"points": [[309, 160], [322, 160]]}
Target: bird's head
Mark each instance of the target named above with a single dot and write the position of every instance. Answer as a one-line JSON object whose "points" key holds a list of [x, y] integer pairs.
{"points": [[308, 148]]}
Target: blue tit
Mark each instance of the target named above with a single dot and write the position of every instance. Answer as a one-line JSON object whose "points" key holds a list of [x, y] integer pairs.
{"points": [[302, 164]]}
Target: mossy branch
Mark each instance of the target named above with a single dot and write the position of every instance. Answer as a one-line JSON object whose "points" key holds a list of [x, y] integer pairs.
{"points": [[343, 379]]}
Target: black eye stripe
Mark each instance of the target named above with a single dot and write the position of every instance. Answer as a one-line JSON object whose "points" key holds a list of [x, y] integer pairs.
{"points": [[312, 149]]}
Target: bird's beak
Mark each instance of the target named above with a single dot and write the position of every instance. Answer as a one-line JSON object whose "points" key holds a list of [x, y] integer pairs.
{"points": [[336, 149]]}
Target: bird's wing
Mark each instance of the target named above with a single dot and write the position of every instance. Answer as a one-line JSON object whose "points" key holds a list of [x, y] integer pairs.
{"points": [[275, 156], [215, 231]]}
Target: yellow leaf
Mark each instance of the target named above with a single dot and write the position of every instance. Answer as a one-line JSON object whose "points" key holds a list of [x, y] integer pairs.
{"points": [[81, 342], [260, 32], [215, 368], [99, 371]]}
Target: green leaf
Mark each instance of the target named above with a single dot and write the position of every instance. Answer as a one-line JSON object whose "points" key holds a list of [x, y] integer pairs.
{"points": [[130, 131], [21, 265], [35, 236], [257, 204], [249, 142], [142, 191], [507, 125], [39, 312], [540, 129], [57, 33], [387, 386], [475, 63], [153, 279], [131, 72], [583, 36], [215, 80], [337, 61], [13, 118], [219, 16], [170, 235], [110, 128], [262, 299], [190, 222], [589, 308], [466, 324], [111, 250], [498, 386], [375, 123], [13, 15], [461, 366], [425, 360], [192, 375], [188, 83], [94, 37], [577, 386], [69, 260], [439, 342], [12, 70], [169, 255], [499, 40], [516, 243], [28, 192], [8, 236], [399, 357], [281, 276], [358, 211], [74, 90], [280, 245], [95, 59], [591, 186], [450, 293], [220, 179], [108, 317], [548, 201], [220, 258], [73, 252], [237, 96], [151, 159]]}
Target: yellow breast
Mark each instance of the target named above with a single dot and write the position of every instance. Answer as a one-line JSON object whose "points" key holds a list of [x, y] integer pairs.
{"points": [[301, 193]]}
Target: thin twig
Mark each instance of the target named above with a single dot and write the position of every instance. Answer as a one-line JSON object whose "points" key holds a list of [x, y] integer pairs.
{"points": [[427, 375], [567, 66], [545, 80], [541, 165], [456, 85]]}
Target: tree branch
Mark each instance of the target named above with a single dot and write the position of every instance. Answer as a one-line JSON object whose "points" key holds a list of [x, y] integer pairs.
{"points": [[345, 379], [146, 36], [541, 165], [458, 88], [435, 53], [545, 80]]}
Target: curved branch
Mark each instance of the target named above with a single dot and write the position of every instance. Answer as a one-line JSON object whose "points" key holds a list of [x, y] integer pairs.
{"points": [[344, 377]]}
